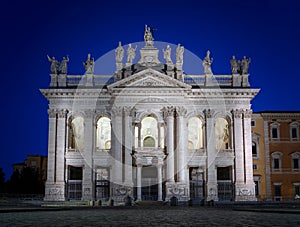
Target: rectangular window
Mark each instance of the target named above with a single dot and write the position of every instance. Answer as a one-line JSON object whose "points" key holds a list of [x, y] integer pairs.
{"points": [[295, 163], [276, 163], [277, 192], [274, 133], [297, 190], [256, 188], [253, 123], [294, 133], [255, 167]]}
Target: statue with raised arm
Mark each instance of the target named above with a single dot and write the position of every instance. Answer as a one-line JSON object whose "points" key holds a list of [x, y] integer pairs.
{"points": [[119, 53], [245, 65], [130, 53], [148, 37], [207, 61], [234, 65], [89, 64], [54, 65], [167, 55], [179, 54], [64, 65]]}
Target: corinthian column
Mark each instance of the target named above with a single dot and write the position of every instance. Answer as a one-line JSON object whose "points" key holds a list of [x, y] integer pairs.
{"points": [[180, 113], [128, 146], [117, 145], [51, 146], [169, 115], [238, 147], [88, 184], [212, 188], [61, 145], [248, 147]]}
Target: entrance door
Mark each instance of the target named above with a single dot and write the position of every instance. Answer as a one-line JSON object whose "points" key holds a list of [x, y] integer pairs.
{"points": [[74, 185], [196, 184], [149, 183], [102, 184], [225, 186]]}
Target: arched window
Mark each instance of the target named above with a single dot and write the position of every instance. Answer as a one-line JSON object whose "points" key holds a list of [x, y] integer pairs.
{"points": [[76, 133], [103, 140], [222, 134], [195, 133], [149, 132]]}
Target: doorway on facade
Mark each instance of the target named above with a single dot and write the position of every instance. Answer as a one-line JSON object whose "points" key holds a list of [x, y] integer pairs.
{"points": [[74, 184], [102, 184], [149, 183], [225, 186], [196, 184]]}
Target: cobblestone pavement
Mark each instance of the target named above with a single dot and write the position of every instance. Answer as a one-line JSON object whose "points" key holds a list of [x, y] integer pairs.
{"points": [[154, 216]]}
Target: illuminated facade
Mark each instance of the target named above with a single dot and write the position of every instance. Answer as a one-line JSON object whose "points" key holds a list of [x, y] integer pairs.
{"points": [[150, 131]]}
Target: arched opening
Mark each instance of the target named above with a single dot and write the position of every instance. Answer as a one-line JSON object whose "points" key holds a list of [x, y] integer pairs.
{"points": [[76, 133], [195, 133], [149, 132], [222, 134], [103, 138]]}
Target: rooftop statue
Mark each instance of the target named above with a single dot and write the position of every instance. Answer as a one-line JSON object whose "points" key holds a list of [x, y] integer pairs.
{"points": [[119, 53], [89, 64], [234, 65], [130, 53], [148, 37], [54, 65], [245, 65], [207, 61], [179, 54], [167, 55], [64, 65]]}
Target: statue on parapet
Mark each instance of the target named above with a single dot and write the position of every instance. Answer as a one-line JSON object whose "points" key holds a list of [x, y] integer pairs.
{"points": [[64, 65], [148, 37], [179, 54], [54, 65], [167, 54], [130, 53], [207, 61], [89, 64], [245, 65], [119, 53], [235, 65]]}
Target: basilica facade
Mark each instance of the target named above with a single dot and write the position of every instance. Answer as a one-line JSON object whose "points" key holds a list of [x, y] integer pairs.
{"points": [[149, 131]]}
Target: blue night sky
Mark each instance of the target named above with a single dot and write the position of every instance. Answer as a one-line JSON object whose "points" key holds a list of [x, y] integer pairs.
{"points": [[267, 31]]}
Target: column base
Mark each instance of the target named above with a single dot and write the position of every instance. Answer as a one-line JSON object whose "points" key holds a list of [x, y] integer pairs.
{"points": [[245, 192], [121, 192], [55, 191], [87, 192], [212, 192], [178, 189]]}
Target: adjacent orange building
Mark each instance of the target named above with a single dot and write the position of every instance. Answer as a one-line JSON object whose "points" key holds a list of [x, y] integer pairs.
{"points": [[276, 155]]}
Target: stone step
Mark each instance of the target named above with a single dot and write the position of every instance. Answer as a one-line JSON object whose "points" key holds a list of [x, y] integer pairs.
{"points": [[150, 203]]}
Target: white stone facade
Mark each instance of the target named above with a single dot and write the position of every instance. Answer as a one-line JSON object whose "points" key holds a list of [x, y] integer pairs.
{"points": [[150, 150]]}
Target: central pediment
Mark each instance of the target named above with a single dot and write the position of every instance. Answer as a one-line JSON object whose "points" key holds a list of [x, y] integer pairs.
{"points": [[149, 78]]}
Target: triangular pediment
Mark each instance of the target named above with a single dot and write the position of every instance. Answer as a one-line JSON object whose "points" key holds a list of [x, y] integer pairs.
{"points": [[149, 78]]}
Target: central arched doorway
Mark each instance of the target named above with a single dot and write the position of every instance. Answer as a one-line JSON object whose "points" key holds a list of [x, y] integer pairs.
{"points": [[149, 183]]}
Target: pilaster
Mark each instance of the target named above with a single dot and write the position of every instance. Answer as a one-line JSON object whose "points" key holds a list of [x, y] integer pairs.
{"points": [[212, 186], [128, 146]]}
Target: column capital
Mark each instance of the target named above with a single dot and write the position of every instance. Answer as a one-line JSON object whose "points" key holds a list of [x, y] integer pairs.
{"points": [[168, 111], [247, 113], [180, 111], [237, 113], [89, 113], [62, 113], [127, 110], [52, 113], [209, 113], [117, 110]]}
